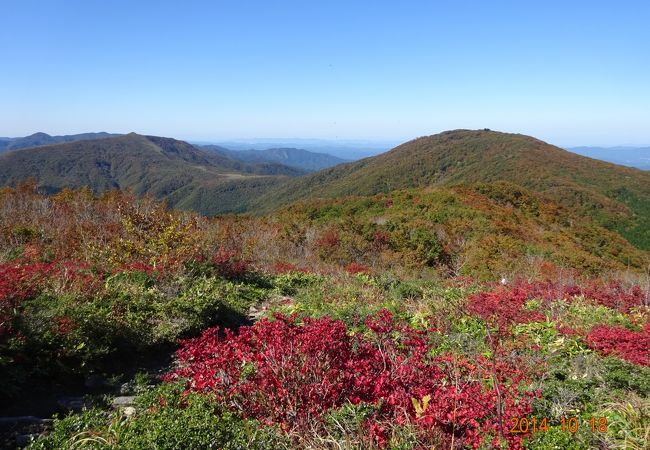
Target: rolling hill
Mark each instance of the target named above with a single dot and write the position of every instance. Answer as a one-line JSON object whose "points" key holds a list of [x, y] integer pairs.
{"points": [[489, 230], [615, 197], [162, 167], [292, 157]]}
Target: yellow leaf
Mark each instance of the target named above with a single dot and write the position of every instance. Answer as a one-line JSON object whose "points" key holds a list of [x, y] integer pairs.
{"points": [[425, 402]]}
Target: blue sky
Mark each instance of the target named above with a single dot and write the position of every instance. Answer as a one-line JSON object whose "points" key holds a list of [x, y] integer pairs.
{"points": [[568, 72]]}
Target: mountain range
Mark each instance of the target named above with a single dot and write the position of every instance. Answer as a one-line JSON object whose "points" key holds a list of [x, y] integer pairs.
{"points": [[302, 160], [165, 168], [292, 157], [211, 181], [344, 149], [38, 139]]}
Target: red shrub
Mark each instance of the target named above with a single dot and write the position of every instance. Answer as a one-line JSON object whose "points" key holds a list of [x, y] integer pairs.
{"points": [[614, 295], [136, 266], [17, 283], [633, 346], [330, 239], [380, 240], [504, 306], [355, 268], [229, 264], [290, 373], [64, 325], [21, 281], [283, 267], [567, 331]]}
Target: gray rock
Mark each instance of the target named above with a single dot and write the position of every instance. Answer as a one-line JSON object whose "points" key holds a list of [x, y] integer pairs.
{"points": [[124, 401], [73, 403], [20, 420]]}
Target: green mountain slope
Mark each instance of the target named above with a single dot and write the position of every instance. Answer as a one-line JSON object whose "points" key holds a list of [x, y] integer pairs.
{"points": [[488, 230], [614, 196], [162, 167]]}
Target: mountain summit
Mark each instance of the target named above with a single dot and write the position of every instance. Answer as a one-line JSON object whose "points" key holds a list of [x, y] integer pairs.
{"points": [[615, 196]]}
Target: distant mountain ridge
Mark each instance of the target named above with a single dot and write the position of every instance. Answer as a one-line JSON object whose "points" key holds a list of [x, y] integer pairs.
{"points": [[165, 168], [39, 139], [292, 157], [345, 149]]}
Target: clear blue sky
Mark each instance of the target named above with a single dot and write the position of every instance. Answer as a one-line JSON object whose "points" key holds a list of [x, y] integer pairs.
{"points": [[569, 72]]}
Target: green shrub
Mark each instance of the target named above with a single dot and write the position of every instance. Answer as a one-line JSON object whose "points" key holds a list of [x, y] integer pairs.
{"points": [[165, 419]]}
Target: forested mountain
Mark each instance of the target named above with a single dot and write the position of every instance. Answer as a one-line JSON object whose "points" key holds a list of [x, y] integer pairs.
{"points": [[162, 167], [614, 196], [292, 157]]}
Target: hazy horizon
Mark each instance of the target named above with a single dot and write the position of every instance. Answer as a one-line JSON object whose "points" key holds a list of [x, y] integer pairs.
{"points": [[569, 74], [365, 142]]}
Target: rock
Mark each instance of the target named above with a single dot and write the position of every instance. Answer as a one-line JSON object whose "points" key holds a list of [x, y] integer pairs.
{"points": [[19, 420], [120, 402], [129, 411], [73, 403]]}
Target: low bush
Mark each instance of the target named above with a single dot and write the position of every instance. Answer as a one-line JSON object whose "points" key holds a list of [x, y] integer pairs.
{"points": [[633, 346], [167, 419], [290, 372]]}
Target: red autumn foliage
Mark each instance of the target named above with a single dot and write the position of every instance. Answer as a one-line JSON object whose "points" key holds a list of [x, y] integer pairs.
{"points": [[633, 346], [22, 280], [228, 264], [284, 267], [380, 240], [136, 266], [17, 282], [567, 331], [290, 373], [355, 268], [504, 306], [64, 325], [614, 295], [329, 240]]}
